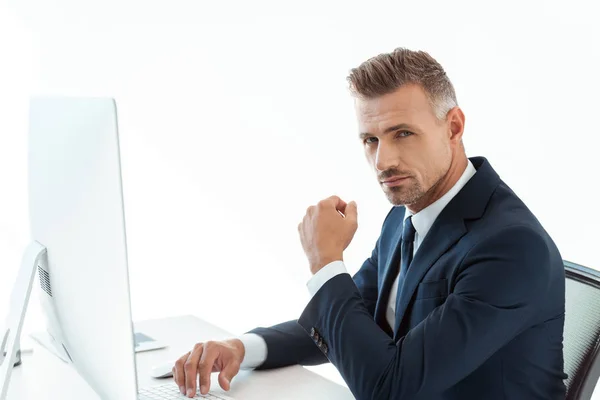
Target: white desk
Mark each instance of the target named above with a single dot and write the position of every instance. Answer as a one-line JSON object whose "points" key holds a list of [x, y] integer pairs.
{"points": [[43, 376]]}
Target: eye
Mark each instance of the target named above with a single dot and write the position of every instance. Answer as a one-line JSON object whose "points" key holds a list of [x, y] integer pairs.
{"points": [[402, 134], [370, 140]]}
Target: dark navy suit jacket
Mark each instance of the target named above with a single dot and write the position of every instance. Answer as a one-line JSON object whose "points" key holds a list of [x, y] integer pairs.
{"points": [[480, 314]]}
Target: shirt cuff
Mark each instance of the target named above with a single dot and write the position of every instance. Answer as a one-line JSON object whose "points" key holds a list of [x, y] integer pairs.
{"points": [[255, 349], [324, 274]]}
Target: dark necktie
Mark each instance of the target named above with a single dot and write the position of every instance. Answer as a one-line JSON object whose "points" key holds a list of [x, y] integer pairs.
{"points": [[406, 251], [406, 256]]}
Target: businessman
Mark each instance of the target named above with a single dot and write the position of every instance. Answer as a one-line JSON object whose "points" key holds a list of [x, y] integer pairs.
{"points": [[463, 295]]}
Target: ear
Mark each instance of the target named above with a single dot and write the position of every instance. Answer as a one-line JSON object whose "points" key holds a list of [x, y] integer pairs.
{"points": [[455, 120]]}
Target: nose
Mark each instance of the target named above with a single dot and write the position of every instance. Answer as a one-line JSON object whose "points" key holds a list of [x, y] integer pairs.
{"points": [[385, 158]]}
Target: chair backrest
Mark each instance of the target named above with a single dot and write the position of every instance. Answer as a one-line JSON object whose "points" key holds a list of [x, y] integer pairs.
{"points": [[582, 331]]}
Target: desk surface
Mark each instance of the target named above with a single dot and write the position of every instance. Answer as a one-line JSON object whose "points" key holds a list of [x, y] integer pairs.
{"points": [[43, 376]]}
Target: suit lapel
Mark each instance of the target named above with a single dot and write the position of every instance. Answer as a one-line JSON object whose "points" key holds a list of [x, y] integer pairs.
{"points": [[390, 273]]}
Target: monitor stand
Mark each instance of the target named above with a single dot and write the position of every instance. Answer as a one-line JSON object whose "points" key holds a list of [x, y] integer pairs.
{"points": [[19, 299]]}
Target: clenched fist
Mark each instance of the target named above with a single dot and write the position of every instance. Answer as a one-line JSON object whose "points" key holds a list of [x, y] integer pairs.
{"points": [[326, 230]]}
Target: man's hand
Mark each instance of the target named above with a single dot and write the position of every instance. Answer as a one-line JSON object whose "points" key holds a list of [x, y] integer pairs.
{"points": [[326, 230], [205, 358]]}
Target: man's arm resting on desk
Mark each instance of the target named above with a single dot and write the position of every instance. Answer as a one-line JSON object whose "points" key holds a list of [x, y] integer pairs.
{"points": [[256, 346], [287, 343], [502, 283]]}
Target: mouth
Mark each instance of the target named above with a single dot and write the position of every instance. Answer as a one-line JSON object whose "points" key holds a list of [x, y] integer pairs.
{"points": [[394, 181]]}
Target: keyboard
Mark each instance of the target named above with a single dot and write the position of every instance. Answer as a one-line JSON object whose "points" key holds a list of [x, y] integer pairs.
{"points": [[171, 392]]}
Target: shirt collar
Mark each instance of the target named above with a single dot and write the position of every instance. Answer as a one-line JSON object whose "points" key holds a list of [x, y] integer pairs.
{"points": [[424, 219]]}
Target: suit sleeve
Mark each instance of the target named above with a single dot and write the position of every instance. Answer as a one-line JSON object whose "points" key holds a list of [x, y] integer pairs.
{"points": [[501, 283], [288, 343], [366, 281]]}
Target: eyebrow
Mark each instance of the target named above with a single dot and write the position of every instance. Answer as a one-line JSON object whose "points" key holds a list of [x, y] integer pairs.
{"points": [[364, 135]]}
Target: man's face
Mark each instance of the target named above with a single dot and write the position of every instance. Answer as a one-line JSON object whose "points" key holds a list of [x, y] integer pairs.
{"points": [[409, 148]]}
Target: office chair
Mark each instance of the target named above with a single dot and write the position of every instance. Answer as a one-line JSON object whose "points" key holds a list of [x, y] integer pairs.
{"points": [[582, 331]]}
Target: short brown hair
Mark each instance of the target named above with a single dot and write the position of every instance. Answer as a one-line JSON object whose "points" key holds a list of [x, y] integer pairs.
{"points": [[387, 72]]}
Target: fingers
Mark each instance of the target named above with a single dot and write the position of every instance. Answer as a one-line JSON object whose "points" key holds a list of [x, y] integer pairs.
{"points": [[230, 370], [351, 212], [178, 372], [346, 210], [205, 366], [310, 210], [204, 359], [190, 369], [333, 201]]}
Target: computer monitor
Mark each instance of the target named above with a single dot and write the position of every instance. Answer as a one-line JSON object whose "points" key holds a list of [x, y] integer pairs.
{"points": [[78, 245], [77, 214]]}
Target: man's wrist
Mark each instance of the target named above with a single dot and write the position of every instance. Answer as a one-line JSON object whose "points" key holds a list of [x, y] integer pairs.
{"points": [[239, 347], [316, 266], [255, 350]]}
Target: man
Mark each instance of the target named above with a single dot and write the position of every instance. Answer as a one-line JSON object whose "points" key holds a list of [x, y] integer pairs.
{"points": [[463, 295]]}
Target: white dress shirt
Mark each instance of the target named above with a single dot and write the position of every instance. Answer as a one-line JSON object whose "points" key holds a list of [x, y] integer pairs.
{"points": [[256, 348]]}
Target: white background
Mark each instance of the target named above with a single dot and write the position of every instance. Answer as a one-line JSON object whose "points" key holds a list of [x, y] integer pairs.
{"points": [[235, 116]]}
